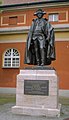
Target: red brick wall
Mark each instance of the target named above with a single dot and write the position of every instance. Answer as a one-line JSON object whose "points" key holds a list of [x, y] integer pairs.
{"points": [[61, 64], [8, 75], [63, 12]]}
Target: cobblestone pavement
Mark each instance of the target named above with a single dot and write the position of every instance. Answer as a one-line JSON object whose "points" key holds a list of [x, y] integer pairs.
{"points": [[6, 114]]}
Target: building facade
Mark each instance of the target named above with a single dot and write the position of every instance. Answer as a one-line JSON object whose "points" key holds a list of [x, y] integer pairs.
{"points": [[15, 20]]}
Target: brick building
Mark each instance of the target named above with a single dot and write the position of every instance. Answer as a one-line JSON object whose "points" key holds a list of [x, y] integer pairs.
{"points": [[15, 19]]}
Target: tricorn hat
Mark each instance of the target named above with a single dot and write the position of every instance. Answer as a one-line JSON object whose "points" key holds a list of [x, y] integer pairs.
{"points": [[39, 11]]}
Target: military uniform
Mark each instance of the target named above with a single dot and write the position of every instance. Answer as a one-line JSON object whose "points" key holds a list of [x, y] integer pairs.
{"points": [[40, 49], [39, 40]]}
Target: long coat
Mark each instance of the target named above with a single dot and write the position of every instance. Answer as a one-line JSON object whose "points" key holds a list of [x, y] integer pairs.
{"points": [[48, 30]]}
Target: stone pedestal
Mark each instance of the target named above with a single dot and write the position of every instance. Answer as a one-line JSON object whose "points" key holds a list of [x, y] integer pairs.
{"points": [[37, 93]]}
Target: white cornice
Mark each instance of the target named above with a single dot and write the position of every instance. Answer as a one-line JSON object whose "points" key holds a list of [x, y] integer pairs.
{"points": [[24, 40], [13, 30], [61, 27], [13, 41]]}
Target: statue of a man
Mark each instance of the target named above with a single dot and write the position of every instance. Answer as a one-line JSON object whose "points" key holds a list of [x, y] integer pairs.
{"points": [[40, 49]]}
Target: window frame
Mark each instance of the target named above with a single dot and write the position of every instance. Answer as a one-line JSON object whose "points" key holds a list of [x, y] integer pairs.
{"points": [[8, 60], [53, 17]]}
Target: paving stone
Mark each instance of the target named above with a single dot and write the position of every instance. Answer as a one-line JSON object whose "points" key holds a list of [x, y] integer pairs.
{"points": [[6, 114]]}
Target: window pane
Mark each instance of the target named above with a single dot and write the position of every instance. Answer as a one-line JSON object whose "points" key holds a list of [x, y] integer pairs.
{"points": [[15, 62], [9, 64], [53, 17], [7, 61], [15, 52], [50, 17]]}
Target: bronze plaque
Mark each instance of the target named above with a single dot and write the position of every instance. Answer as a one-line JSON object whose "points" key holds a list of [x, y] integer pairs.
{"points": [[36, 87]]}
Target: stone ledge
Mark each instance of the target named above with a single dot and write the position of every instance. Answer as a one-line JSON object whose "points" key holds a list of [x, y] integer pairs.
{"points": [[33, 111]]}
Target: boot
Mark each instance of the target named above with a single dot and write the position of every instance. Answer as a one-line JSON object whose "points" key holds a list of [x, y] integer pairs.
{"points": [[42, 57]]}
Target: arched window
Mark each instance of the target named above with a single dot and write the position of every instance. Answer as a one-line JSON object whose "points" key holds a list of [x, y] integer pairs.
{"points": [[11, 59]]}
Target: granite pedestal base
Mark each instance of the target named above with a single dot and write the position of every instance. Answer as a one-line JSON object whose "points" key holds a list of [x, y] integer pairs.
{"points": [[34, 101]]}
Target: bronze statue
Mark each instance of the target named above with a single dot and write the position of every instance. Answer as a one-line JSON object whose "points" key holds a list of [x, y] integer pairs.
{"points": [[40, 49]]}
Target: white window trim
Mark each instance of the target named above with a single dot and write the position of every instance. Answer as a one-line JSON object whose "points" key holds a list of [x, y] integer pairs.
{"points": [[11, 57]]}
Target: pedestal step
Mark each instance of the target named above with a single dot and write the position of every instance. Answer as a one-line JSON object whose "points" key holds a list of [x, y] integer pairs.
{"points": [[36, 111]]}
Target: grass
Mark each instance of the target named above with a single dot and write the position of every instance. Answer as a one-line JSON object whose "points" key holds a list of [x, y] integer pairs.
{"points": [[7, 98], [64, 101], [11, 98]]}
